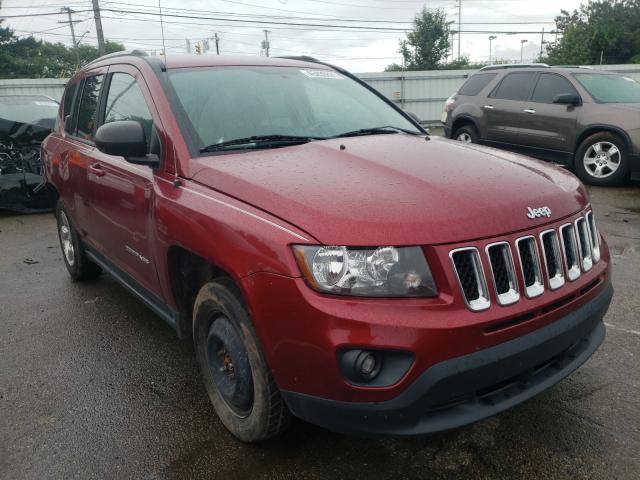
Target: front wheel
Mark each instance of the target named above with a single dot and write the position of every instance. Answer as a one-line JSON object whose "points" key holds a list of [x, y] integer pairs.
{"points": [[466, 134], [235, 372], [602, 159]]}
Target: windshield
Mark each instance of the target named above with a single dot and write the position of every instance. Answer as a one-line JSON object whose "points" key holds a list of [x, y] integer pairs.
{"points": [[610, 88], [27, 110], [228, 103]]}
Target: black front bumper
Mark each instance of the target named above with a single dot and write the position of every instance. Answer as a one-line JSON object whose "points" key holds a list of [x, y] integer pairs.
{"points": [[466, 389]]}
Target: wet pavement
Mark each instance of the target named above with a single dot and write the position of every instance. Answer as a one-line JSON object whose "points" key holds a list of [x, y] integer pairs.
{"points": [[93, 385]]}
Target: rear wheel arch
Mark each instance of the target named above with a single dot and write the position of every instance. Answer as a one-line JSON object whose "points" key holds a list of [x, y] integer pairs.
{"points": [[462, 121], [54, 196]]}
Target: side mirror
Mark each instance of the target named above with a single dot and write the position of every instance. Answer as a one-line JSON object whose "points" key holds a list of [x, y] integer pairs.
{"points": [[413, 115], [125, 138], [567, 99]]}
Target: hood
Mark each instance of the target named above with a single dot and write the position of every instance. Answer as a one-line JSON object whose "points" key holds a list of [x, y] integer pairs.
{"points": [[394, 189]]}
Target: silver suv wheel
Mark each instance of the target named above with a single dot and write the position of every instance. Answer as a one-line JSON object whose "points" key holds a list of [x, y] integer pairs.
{"points": [[66, 240], [464, 137], [602, 159]]}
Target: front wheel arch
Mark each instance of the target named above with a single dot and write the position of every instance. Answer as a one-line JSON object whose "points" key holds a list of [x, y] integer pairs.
{"points": [[594, 129]]}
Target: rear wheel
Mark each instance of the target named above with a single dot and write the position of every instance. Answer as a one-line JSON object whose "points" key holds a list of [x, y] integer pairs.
{"points": [[235, 373], [73, 252], [602, 159], [466, 134]]}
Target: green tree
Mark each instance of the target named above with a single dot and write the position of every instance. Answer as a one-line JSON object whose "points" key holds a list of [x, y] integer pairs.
{"points": [[607, 29], [28, 57], [427, 45]]}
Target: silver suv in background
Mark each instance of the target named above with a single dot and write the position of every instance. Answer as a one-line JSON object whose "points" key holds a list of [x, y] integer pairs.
{"points": [[586, 119]]}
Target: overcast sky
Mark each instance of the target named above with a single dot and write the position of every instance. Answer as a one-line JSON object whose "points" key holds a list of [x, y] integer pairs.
{"points": [[358, 49]]}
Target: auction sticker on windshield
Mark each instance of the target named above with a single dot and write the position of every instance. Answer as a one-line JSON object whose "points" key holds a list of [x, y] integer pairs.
{"points": [[322, 74]]}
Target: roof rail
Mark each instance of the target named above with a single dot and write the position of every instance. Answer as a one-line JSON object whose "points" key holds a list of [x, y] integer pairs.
{"points": [[572, 66], [514, 65], [302, 58], [122, 53]]}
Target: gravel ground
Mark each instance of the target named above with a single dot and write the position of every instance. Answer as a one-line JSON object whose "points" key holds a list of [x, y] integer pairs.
{"points": [[93, 385]]}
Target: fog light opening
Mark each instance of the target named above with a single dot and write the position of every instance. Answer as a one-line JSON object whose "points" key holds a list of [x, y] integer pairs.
{"points": [[368, 365]]}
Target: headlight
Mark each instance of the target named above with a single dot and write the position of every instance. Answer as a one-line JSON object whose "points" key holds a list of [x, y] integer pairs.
{"points": [[367, 272]]}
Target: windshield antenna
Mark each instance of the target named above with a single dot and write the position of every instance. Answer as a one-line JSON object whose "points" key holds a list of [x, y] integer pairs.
{"points": [[176, 178], [164, 48]]}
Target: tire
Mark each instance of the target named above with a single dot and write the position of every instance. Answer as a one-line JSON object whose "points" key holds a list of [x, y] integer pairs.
{"points": [[466, 134], [595, 155], [234, 370], [73, 252]]}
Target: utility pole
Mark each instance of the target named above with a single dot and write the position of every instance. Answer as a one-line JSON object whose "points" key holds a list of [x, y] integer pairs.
{"points": [[71, 22], [459, 26], [453, 32], [96, 16], [217, 39], [522, 42], [542, 43], [265, 43], [188, 45], [491, 39]]}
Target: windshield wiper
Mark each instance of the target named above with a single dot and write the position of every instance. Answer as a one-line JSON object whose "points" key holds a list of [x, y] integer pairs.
{"points": [[377, 131], [258, 141]]}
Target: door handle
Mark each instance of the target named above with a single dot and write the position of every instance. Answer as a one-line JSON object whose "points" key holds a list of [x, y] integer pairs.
{"points": [[529, 111], [97, 170], [488, 107]]}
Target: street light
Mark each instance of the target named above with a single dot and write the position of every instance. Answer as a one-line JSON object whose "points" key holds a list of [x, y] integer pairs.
{"points": [[522, 42], [491, 39]]}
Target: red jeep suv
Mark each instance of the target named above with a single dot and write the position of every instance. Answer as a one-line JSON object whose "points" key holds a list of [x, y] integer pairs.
{"points": [[330, 260]]}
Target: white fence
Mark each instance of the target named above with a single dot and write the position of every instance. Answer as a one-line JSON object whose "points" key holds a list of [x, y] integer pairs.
{"points": [[52, 87], [422, 93]]}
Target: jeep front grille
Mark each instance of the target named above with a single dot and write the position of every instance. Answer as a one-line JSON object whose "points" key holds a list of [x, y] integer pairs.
{"points": [[470, 275], [503, 273], [570, 250], [565, 253]]}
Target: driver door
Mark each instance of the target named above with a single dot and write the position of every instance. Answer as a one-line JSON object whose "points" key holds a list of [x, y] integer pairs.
{"points": [[122, 193]]}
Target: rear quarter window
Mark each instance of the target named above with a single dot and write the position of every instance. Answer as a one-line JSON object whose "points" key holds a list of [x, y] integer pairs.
{"points": [[67, 106], [476, 83]]}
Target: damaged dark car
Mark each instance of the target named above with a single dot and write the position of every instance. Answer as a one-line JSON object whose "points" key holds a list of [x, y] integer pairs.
{"points": [[25, 121]]}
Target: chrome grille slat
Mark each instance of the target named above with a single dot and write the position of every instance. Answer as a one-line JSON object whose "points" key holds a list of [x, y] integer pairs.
{"points": [[595, 238], [470, 275], [570, 251], [503, 273], [530, 265], [584, 244], [552, 259]]}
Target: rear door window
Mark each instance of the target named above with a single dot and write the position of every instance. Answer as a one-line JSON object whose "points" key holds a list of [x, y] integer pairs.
{"points": [[476, 84], [88, 108], [549, 85], [515, 86]]}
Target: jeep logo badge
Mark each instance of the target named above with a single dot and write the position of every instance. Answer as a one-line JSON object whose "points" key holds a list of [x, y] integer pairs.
{"points": [[533, 213]]}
